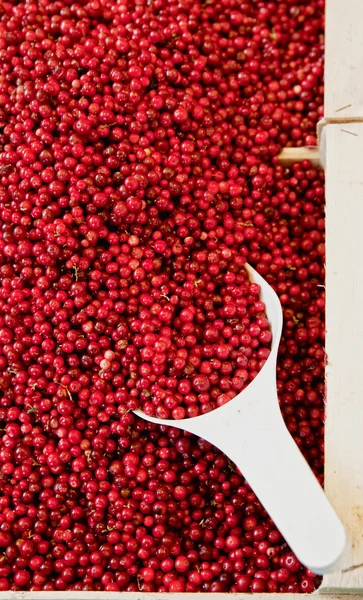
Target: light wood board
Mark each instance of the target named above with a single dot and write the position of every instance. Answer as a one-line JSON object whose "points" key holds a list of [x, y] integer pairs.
{"points": [[288, 156], [156, 596], [344, 344], [343, 90]]}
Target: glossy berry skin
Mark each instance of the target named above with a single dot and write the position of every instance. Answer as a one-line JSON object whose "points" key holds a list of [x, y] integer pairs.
{"points": [[138, 175]]}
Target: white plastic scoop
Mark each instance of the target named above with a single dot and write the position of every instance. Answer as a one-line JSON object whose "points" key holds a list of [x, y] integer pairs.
{"points": [[251, 432]]}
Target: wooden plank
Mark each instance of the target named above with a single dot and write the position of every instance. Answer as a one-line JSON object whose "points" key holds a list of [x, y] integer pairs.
{"points": [[158, 596], [344, 345], [288, 156], [343, 59]]}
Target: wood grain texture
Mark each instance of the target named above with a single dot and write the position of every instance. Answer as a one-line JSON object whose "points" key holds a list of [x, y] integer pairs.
{"points": [[156, 596], [344, 59], [344, 345], [288, 156]]}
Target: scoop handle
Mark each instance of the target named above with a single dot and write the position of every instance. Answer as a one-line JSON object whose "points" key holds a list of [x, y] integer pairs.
{"points": [[289, 491]]}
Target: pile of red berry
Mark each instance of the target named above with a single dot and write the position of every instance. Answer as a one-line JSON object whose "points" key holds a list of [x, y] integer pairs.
{"points": [[138, 174]]}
